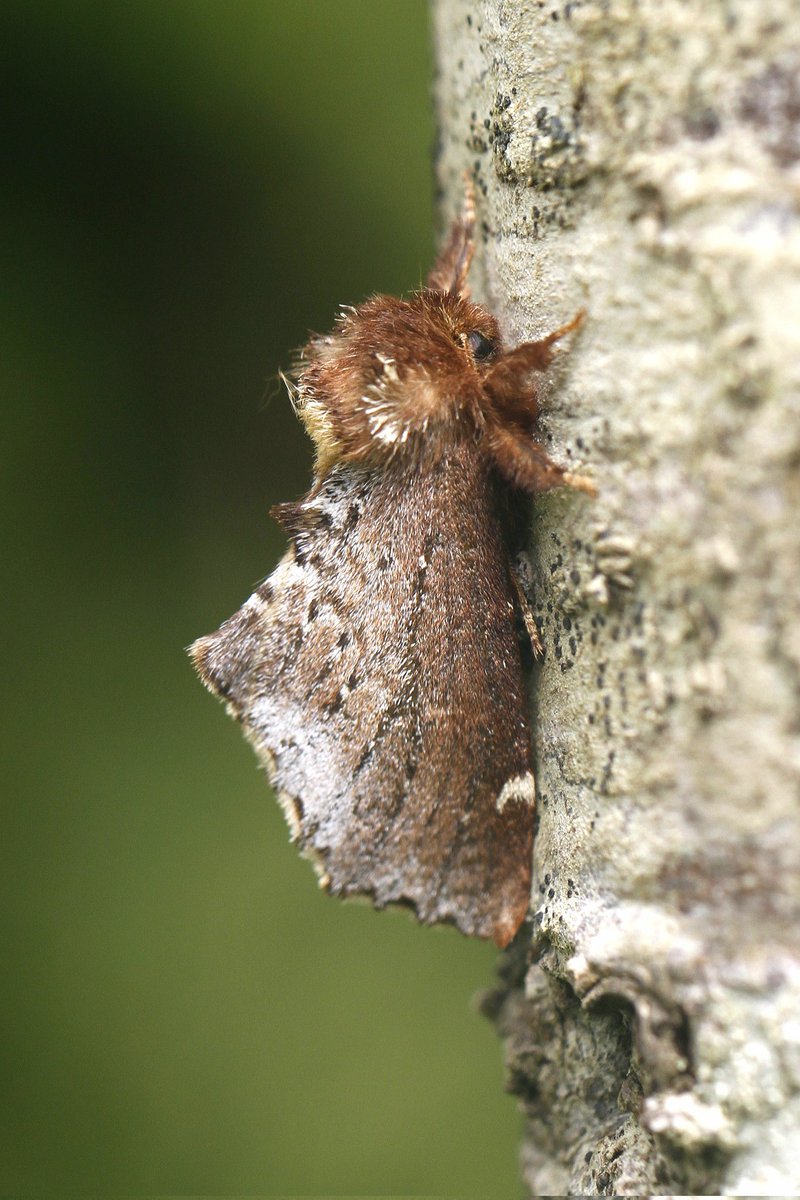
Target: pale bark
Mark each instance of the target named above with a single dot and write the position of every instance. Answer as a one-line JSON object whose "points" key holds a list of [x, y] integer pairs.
{"points": [[643, 160]]}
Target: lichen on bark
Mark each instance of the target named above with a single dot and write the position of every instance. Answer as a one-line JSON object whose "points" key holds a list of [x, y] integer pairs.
{"points": [[643, 160]]}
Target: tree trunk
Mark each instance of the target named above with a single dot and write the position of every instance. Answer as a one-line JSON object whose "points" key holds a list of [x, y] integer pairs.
{"points": [[643, 160]]}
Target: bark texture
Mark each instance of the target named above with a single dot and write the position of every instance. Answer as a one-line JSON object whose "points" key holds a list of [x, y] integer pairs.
{"points": [[643, 160]]}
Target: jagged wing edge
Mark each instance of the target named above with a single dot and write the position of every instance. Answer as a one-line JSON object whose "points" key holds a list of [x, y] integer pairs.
{"points": [[198, 652]]}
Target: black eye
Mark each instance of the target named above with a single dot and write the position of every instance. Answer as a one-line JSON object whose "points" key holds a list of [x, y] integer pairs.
{"points": [[481, 347]]}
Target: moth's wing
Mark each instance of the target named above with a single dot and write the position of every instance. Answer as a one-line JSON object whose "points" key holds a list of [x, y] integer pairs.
{"points": [[377, 673]]}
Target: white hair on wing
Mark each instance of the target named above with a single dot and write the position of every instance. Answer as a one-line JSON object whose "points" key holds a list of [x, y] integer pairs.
{"points": [[520, 789]]}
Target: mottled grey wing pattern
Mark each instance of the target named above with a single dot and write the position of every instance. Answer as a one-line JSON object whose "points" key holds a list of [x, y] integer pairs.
{"points": [[377, 673]]}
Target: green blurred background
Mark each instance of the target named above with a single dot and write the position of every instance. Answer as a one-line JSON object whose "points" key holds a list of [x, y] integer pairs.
{"points": [[189, 187]]}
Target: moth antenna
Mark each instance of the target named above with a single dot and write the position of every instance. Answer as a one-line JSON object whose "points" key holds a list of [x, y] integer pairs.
{"points": [[450, 271], [468, 211]]}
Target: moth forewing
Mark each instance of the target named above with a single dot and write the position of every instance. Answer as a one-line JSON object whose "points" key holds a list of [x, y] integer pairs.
{"points": [[378, 675]]}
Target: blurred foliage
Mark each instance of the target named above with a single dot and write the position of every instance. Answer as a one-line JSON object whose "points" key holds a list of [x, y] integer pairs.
{"points": [[189, 187]]}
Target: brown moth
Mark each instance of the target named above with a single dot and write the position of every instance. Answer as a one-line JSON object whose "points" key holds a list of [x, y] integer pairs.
{"points": [[378, 671]]}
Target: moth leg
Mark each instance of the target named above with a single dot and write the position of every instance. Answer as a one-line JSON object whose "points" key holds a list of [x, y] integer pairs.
{"points": [[508, 383], [543, 349], [521, 580], [528, 466]]}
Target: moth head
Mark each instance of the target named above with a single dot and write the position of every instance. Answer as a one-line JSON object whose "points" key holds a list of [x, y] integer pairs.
{"points": [[408, 377], [397, 376]]}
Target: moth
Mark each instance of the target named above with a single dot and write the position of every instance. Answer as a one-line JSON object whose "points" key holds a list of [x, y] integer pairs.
{"points": [[378, 671]]}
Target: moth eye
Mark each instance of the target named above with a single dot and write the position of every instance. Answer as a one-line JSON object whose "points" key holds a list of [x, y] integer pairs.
{"points": [[481, 347]]}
